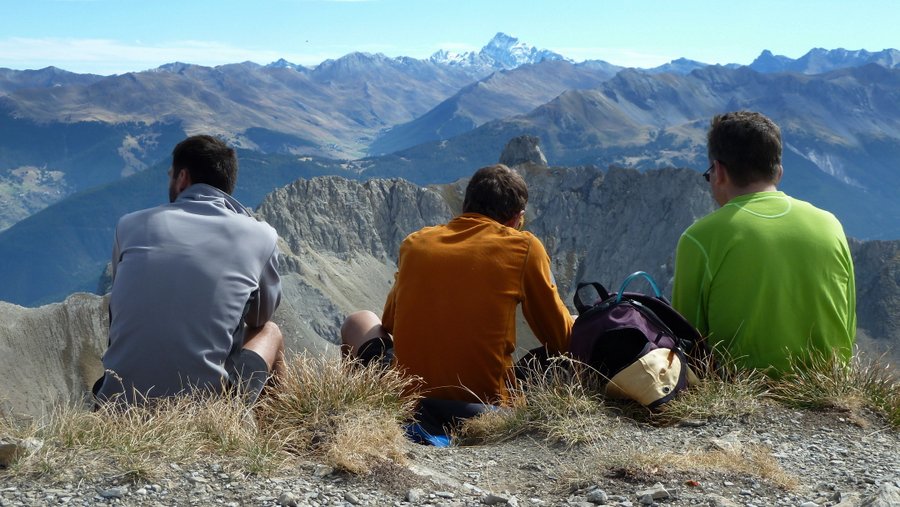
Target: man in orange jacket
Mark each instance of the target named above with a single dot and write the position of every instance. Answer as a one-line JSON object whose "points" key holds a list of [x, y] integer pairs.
{"points": [[450, 318]]}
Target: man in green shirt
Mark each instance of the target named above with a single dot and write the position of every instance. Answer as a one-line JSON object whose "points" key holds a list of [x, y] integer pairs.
{"points": [[766, 277]]}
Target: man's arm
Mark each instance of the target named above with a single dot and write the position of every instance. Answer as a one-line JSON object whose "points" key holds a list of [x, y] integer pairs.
{"points": [[691, 276], [116, 253], [545, 312], [268, 296]]}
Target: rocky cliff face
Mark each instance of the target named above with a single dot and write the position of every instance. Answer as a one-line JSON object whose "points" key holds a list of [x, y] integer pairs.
{"points": [[52, 353], [877, 265], [341, 236], [340, 244]]}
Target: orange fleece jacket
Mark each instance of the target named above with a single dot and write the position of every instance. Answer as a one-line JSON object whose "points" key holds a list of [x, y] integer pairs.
{"points": [[452, 309]]}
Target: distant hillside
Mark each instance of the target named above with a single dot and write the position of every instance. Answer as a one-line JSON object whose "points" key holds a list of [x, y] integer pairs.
{"points": [[500, 95], [333, 109], [841, 132], [819, 60], [48, 77], [62, 132]]}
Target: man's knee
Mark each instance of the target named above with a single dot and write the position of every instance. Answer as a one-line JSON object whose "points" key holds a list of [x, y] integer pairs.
{"points": [[360, 327], [267, 341]]}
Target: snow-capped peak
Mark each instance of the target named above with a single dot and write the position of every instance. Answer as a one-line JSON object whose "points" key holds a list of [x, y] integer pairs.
{"points": [[502, 52]]}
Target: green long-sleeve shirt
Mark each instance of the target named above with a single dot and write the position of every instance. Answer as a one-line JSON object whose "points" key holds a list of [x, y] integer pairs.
{"points": [[767, 277]]}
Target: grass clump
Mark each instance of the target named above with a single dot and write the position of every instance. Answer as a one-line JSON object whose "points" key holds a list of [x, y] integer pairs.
{"points": [[645, 463], [822, 383], [553, 403], [349, 416], [346, 416], [138, 442], [722, 393]]}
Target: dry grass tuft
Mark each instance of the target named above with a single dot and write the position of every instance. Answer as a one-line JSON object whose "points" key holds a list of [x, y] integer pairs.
{"points": [[349, 417], [646, 464], [345, 414], [723, 393], [554, 403], [138, 442], [822, 383]]}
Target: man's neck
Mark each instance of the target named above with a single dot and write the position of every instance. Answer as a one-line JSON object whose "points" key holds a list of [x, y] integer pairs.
{"points": [[752, 188]]}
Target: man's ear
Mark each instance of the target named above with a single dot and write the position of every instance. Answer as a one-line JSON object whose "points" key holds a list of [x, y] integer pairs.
{"points": [[721, 173], [779, 174], [183, 180], [516, 221]]}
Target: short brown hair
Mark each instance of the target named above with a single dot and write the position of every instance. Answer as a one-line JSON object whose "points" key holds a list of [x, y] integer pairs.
{"points": [[748, 144], [208, 160], [497, 192]]}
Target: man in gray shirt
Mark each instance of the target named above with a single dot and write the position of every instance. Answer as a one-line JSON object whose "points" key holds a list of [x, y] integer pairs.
{"points": [[194, 288]]}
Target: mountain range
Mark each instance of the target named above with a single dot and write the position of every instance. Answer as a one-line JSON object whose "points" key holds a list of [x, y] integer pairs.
{"points": [[71, 143]]}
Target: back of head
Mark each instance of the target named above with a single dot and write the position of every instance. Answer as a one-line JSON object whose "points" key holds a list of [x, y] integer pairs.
{"points": [[748, 144], [208, 160], [497, 192]]}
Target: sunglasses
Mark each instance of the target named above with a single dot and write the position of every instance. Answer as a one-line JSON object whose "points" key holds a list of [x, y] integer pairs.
{"points": [[706, 174]]}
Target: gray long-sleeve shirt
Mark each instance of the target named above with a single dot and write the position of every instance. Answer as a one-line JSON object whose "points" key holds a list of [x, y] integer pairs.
{"points": [[183, 274]]}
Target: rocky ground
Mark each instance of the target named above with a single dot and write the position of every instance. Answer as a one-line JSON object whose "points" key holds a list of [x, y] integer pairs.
{"points": [[827, 459]]}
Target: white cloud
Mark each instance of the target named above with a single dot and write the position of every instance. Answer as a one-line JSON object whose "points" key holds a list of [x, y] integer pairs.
{"points": [[104, 56]]}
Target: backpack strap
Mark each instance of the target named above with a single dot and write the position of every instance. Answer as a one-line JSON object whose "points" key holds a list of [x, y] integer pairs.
{"points": [[580, 305], [631, 277]]}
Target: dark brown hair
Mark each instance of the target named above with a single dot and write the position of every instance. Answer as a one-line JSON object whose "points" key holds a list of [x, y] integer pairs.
{"points": [[208, 160], [748, 144], [497, 192]]}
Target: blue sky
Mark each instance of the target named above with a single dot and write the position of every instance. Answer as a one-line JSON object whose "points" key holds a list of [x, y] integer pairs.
{"points": [[115, 36]]}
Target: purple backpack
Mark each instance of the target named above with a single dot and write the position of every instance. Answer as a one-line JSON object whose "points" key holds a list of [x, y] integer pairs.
{"points": [[639, 344]]}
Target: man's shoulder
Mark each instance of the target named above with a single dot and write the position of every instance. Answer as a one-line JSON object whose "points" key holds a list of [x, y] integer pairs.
{"points": [[143, 214]]}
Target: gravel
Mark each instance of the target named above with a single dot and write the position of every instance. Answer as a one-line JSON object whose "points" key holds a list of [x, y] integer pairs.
{"points": [[836, 461]]}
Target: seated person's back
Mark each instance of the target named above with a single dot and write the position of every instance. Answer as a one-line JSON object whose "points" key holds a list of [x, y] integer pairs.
{"points": [[452, 309], [767, 277], [187, 277]]}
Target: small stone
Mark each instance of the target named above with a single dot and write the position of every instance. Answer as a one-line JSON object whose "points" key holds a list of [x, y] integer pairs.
{"points": [[746, 492], [597, 496], [351, 498], [492, 499], [323, 471], [887, 495], [809, 504], [444, 494], [646, 500], [714, 500], [656, 492], [117, 492], [287, 499], [11, 449], [141, 491], [728, 484], [414, 495]]}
